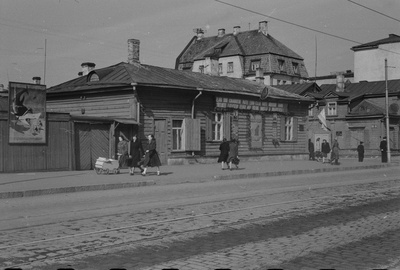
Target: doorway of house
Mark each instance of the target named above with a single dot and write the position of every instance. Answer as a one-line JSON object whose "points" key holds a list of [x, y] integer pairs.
{"points": [[160, 134]]}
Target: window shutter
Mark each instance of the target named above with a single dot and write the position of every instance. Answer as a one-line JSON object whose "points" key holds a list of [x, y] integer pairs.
{"points": [[227, 126], [209, 133], [295, 128], [283, 122], [191, 134]]}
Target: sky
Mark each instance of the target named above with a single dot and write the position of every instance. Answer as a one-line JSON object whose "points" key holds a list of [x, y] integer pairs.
{"points": [[52, 38]]}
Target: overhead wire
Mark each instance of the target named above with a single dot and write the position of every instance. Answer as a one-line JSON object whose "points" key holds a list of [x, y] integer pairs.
{"points": [[298, 25], [374, 10]]}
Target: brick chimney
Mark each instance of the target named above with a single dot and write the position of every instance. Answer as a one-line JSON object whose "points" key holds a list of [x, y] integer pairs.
{"points": [[36, 80], [87, 67], [133, 51], [221, 32], [263, 27], [199, 32], [340, 82], [260, 75], [236, 30]]}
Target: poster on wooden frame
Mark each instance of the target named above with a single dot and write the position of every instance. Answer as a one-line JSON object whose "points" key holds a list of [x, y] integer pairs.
{"points": [[27, 113]]}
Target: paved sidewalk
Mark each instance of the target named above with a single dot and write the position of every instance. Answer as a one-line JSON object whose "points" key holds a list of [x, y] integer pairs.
{"points": [[18, 185]]}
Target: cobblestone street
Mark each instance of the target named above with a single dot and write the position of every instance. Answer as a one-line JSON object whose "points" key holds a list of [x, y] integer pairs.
{"points": [[231, 224]]}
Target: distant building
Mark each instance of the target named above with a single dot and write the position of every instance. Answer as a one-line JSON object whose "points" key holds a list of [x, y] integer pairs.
{"points": [[347, 76], [369, 59], [241, 54]]}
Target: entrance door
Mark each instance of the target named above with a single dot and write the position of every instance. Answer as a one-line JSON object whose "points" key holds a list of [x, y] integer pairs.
{"points": [[91, 143], [160, 134]]}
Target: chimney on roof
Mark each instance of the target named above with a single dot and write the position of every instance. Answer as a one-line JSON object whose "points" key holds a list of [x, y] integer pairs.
{"points": [[199, 33], [259, 75], [340, 82], [36, 80], [236, 30], [133, 51], [263, 27], [221, 32], [87, 67]]}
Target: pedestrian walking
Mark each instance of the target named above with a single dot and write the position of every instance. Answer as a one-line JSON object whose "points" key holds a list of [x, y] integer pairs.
{"points": [[233, 157], [151, 158], [360, 151], [325, 149], [224, 153], [122, 148], [311, 150], [335, 153], [383, 147], [135, 154]]}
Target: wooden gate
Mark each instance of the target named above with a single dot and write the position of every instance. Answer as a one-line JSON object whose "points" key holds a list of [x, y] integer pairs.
{"points": [[92, 142], [160, 134]]}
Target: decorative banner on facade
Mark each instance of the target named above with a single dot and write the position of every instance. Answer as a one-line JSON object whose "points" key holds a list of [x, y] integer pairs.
{"points": [[27, 113]]}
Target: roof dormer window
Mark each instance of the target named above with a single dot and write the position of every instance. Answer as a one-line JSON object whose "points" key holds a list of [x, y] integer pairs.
{"points": [[93, 77]]}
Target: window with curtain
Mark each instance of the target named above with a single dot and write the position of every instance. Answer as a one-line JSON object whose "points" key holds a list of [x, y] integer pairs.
{"points": [[177, 135]]}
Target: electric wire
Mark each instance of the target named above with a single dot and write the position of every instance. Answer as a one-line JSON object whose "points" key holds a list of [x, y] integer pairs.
{"points": [[373, 10]]}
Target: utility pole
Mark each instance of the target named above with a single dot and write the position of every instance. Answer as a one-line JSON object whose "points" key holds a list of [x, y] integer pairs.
{"points": [[45, 52], [387, 112]]}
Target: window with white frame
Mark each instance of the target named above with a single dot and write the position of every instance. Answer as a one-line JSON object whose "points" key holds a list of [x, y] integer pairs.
{"points": [[311, 110], [295, 68], [288, 129], [281, 64], [220, 68], [201, 68], [332, 108], [177, 135], [218, 127], [230, 67]]}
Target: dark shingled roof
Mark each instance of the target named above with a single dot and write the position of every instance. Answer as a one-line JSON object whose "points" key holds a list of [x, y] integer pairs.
{"points": [[374, 44], [354, 90], [124, 74], [246, 43], [300, 88]]}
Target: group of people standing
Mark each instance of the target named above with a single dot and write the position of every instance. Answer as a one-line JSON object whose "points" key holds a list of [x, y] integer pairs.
{"points": [[133, 155], [229, 154], [325, 150]]}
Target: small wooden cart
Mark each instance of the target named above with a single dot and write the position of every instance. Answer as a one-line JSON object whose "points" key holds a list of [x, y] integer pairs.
{"points": [[106, 166]]}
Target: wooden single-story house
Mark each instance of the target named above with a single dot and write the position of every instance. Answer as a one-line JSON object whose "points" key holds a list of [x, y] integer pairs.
{"points": [[189, 113]]}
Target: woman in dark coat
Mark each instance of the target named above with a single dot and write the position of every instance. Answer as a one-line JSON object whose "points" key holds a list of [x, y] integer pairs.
{"points": [[360, 151], [224, 153], [335, 153], [136, 152], [151, 156], [233, 154], [122, 152]]}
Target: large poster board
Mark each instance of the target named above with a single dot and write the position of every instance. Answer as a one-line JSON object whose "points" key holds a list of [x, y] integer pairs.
{"points": [[27, 113]]}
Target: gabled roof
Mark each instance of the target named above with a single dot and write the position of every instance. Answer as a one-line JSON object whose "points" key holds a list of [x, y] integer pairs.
{"points": [[356, 90], [300, 88], [374, 44], [367, 108], [246, 43], [126, 75]]}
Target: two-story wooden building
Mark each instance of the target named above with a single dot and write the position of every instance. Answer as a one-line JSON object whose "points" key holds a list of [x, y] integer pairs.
{"points": [[189, 113], [239, 54]]}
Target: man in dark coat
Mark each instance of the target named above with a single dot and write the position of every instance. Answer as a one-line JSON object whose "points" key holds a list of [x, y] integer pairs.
{"points": [[360, 151], [224, 153], [383, 147], [325, 149], [311, 150]]}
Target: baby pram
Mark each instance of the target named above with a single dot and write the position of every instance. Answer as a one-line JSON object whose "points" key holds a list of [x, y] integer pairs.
{"points": [[106, 166]]}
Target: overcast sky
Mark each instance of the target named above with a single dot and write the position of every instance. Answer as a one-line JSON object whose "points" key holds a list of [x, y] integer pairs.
{"points": [[97, 31]]}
